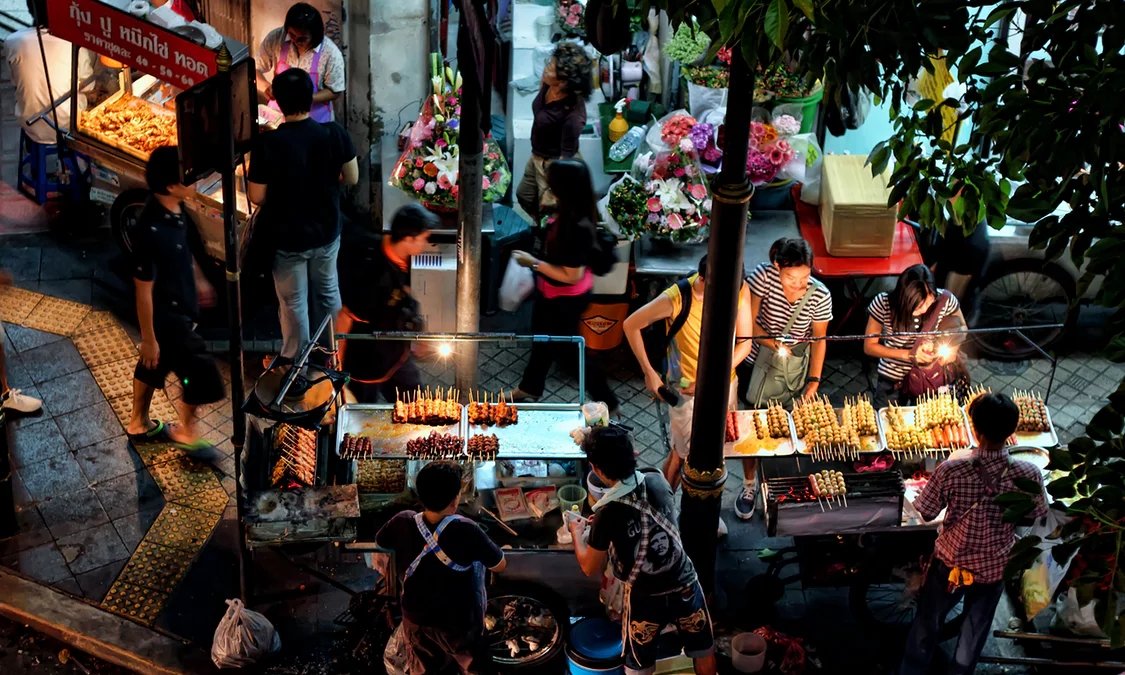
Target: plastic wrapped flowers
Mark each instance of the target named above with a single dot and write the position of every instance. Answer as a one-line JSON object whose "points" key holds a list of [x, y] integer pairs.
{"points": [[570, 15], [679, 203], [428, 168], [770, 149]]}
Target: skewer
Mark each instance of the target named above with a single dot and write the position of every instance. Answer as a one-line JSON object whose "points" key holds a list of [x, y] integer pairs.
{"points": [[502, 524]]}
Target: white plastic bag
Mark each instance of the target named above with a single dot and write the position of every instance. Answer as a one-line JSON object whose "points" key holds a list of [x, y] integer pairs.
{"points": [[243, 637], [705, 99], [813, 158], [517, 285], [1040, 581], [394, 654]]}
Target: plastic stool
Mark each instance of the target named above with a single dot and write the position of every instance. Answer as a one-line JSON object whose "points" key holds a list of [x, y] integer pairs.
{"points": [[35, 182]]}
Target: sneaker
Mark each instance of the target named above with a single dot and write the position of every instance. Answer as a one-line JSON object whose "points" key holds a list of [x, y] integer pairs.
{"points": [[722, 528], [17, 401], [747, 500]]}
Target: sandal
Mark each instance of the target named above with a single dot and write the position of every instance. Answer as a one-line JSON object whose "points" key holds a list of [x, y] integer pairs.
{"points": [[200, 448], [158, 433]]}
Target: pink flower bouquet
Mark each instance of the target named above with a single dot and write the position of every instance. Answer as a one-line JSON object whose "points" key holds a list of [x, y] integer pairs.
{"points": [[679, 203], [769, 150], [571, 18]]}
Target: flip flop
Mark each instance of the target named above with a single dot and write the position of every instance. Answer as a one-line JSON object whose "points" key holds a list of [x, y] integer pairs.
{"points": [[197, 449], [159, 432]]}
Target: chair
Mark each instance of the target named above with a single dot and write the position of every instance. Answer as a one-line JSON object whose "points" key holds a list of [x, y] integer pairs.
{"points": [[37, 181]]}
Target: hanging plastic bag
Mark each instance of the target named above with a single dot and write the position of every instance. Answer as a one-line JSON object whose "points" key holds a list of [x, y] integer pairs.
{"points": [[394, 655], [702, 100], [243, 637], [1040, 581], [612, 594], [517, 285], [813, 158]]}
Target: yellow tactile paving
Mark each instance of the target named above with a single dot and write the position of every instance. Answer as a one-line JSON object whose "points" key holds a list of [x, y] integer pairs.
{"points": [[96, 320], [213, 500], [55, 315], [116, 378], [161, 409], [136, 602], [16, 304], [183, 528], [156, 567], [181, 478], [106, 345]]}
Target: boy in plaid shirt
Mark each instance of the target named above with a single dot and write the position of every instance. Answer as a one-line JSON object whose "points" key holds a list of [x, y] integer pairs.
{"points": [[972, 549]]}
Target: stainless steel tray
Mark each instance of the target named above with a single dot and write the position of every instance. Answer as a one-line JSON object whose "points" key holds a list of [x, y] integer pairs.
{"points": [[908, 413], [868, 444], [542, 432], [388, 439], [748, 444]]}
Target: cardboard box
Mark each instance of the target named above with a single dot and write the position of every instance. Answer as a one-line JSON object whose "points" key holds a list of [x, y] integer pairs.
{"points": [[853, 208]]}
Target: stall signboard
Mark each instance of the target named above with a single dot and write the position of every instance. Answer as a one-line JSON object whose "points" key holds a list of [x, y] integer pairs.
{"points": [[111, 32]]}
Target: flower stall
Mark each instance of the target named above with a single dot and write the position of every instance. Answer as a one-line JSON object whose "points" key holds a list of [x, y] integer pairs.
{"points": [[428, 168]]}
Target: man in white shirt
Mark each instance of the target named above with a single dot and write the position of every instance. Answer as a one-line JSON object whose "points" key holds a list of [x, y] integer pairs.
{"points": [[30, 78]]}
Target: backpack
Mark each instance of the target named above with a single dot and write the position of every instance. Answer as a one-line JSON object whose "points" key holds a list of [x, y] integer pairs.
{"points": [[604, 255], [659, 335]]}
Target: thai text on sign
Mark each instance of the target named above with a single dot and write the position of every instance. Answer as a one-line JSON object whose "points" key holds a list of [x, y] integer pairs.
{"points": [[111, 32]]}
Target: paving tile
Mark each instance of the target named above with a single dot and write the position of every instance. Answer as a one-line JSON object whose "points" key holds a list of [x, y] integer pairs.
{"points": [[96, 583], [30, 532], [135, 602], [23, 339], [92, 548], [56, 315], [126, 495], [105, 345], [42, 563], [53, 360], [89, 425], [161, 408], [21, 262], [73, 512], [19, 377], [108, 459], [157, 567], [70, 392], [96, 320], [75, 290], [32, 443], [17, 303], [62, 263], [69, 586], [182, 477], [54, 476], [115, 378], [135, 527]]}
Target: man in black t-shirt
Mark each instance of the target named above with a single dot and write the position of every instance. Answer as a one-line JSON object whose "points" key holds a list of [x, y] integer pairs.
{"points": [[440, 559], [375, 286], [295, 175], [633, 526], [170, 287]]}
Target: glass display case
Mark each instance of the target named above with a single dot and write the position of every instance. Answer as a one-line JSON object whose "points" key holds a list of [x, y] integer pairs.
{"points": [[129, 111]]}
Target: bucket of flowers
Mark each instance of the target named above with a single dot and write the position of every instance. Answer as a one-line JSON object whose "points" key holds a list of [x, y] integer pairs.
{"points": [[428, 168]]}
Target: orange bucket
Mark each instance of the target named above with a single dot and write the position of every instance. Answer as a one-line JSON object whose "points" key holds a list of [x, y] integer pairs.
{"points": [[600, 325]]}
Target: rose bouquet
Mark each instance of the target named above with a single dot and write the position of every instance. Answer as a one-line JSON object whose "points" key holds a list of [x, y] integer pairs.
{"points": [[428, 168], [570, 15], [675, 128], [679, 204], [770, 149]]}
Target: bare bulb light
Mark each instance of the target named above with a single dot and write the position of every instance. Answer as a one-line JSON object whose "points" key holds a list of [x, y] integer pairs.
{"points": [[944, 352], [445, 350], [783, 350]]}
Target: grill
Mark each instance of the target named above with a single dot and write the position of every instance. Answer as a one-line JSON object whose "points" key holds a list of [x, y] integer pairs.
{"points": [[296, 456], [874, 500]]}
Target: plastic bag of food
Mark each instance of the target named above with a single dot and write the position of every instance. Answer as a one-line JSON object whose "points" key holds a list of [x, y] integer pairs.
{"points": [[243, 637], [1040, 581]]}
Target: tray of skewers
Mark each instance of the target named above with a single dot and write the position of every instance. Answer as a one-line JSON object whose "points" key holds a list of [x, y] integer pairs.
{"points": [[541, 432], [763, 433], [491, 410], [1035, 427], [936, 425], [426, 407], [369, 431], [828, 433]]}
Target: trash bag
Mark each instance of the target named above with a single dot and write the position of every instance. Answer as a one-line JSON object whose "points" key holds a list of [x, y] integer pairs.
{"points": [[517, 285], [243, 637], [702, 100], [394, 654], [1040, 581]]}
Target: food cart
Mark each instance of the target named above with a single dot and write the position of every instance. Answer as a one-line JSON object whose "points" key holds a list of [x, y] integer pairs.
{"points": [[129, 107], [840, 482]]}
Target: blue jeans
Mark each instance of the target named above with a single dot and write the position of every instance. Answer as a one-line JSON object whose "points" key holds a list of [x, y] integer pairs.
{"points": [[934, 603], [296, 277]]}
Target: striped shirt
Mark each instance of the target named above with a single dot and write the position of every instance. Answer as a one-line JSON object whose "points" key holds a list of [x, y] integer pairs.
{"points": [[775, 310], [880, 310]]}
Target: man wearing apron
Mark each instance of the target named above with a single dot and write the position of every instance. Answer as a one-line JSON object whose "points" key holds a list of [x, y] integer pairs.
{"points": [[440, 558], [301, 43], [633, 528]]}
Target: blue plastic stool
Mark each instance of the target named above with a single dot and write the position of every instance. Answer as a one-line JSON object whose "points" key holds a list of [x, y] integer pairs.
{"points": [[35, 182]]}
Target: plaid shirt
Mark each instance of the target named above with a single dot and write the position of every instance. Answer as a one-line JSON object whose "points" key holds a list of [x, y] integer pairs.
{"points": [[974, 537]]}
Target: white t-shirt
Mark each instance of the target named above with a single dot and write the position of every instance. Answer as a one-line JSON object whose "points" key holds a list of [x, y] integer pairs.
{"points": [[32, 95]]}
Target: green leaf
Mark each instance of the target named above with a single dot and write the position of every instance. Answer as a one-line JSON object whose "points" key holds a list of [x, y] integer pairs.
{"points": [[923, 105], [805, 6], [1106, 424], [1028, 485], [777, 22], [1062, 459], [878, 158], [1063, 487], [1017, 513]]}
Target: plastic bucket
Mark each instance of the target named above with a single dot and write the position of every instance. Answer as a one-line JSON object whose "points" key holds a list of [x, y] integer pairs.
{"points": [[595, 487], [748, 652], [595, 648], [571, 496], [600, 325], [808, 104]]}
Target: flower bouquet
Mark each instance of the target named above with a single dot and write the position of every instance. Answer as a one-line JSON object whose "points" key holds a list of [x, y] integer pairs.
{"points": [[770, 149], [628, 207], [688, 44], [679, 203], [675, 128], [428, 168], [778, 81], [570, 15], [703, 138]]}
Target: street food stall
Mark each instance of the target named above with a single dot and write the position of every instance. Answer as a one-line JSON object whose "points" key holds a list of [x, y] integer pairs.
{"points": [[134, 104]]}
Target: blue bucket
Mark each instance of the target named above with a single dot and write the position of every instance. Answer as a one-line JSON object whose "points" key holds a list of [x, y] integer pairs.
{"points": [[595, 648]]}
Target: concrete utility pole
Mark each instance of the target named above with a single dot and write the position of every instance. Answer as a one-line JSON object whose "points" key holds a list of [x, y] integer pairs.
{"points": [[704, 472]]}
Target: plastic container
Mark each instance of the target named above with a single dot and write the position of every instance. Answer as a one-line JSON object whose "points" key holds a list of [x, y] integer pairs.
{"points": [[595, 487], [595, 647], [748, 652], [628, 143], [571, 498], [600, 325]]}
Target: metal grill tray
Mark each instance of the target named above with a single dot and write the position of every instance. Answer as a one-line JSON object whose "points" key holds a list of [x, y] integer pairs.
{"points": [[868, 444], [908, 414], [388, 440], [748, 444], [1038, 439], [542, 432]]}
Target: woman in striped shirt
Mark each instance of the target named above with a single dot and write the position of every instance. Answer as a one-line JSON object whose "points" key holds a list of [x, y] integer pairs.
{"points": [[905, 310], [778, 290]]}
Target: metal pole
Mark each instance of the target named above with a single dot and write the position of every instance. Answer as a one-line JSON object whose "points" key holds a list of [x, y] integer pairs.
{"points": [[234, 304], [8, 525], [469, 170], [704, 472]]}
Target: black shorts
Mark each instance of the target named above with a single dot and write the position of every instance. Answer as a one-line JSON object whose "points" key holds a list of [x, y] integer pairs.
{"points": [[649, 614], [183, 352]]}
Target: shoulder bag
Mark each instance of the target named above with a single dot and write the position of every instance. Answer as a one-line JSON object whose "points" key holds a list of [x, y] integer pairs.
{"points": [[778, 379]]}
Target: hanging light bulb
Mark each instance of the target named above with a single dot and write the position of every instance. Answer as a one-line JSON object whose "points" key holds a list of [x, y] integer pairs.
{"points": [[944, 351], [445, 349]]}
